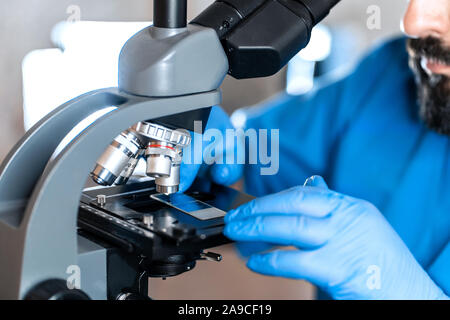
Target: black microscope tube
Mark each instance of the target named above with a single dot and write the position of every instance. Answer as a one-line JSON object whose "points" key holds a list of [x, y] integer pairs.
{"points": [[170, 13]]}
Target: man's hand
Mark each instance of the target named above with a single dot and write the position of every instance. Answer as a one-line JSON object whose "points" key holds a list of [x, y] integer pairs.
{"points": [[343, 245]]}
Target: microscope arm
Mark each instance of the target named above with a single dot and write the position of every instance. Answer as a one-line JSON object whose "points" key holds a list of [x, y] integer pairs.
{"points": [[261, 36], [39, 199]]}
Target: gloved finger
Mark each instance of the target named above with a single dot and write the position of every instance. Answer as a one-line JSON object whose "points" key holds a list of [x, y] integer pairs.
{"points": [[308, 201], [188, 173], [299, 231], [226, 169], [246, 249], [191, 163], [205, 151], [316, 181], [292, 264], [226, 174]]}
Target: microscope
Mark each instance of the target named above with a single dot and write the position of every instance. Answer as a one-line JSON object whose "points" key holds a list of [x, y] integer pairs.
{"points": [[62, 241]]}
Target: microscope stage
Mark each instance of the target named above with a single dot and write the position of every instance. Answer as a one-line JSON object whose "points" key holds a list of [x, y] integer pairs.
{"points": [[158, 227]]}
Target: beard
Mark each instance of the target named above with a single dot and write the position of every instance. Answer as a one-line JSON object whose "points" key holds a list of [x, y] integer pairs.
{"points": [[433, 89]]}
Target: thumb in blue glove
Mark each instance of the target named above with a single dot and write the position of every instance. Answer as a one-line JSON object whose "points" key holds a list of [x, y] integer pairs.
{"points": [[246, 249], [344, 245]]}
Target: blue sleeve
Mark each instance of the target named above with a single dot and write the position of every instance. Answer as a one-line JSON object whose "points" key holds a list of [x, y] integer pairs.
{"points": [[311, 125], [439, 271]]}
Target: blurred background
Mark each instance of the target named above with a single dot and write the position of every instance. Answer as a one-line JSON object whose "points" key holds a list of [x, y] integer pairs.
{"points": [[44, 62]]}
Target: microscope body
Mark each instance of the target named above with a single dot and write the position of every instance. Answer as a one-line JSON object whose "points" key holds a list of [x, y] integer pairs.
{"points": [[40, 202]]}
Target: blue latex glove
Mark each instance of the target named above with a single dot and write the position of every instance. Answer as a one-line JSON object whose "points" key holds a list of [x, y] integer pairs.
{"points": [[344, 245], [220, 173]]}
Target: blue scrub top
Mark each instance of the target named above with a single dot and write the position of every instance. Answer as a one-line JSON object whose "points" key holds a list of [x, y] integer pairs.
{"points": [[363, 134]]}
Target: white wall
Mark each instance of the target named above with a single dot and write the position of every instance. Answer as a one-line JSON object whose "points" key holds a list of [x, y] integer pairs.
{"points": [[354, 13]]}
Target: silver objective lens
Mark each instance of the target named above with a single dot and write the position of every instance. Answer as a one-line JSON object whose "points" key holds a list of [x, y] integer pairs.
{"points": [[128, 171], [119, 160], [171, 184], [163, 163], [164, 154]]}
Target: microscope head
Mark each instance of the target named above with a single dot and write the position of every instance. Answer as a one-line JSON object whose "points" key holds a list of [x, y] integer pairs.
{"points": [[172, 58]]}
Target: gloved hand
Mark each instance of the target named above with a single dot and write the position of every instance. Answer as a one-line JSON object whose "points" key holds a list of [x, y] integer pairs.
{"points": [[210, 166], [343, 245]]}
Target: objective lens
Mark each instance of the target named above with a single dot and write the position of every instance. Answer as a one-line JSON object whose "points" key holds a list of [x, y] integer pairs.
{"points": [[119, 155], [159, 159], [164, 154], [171, 184], [163, 163], [128, 171]]}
